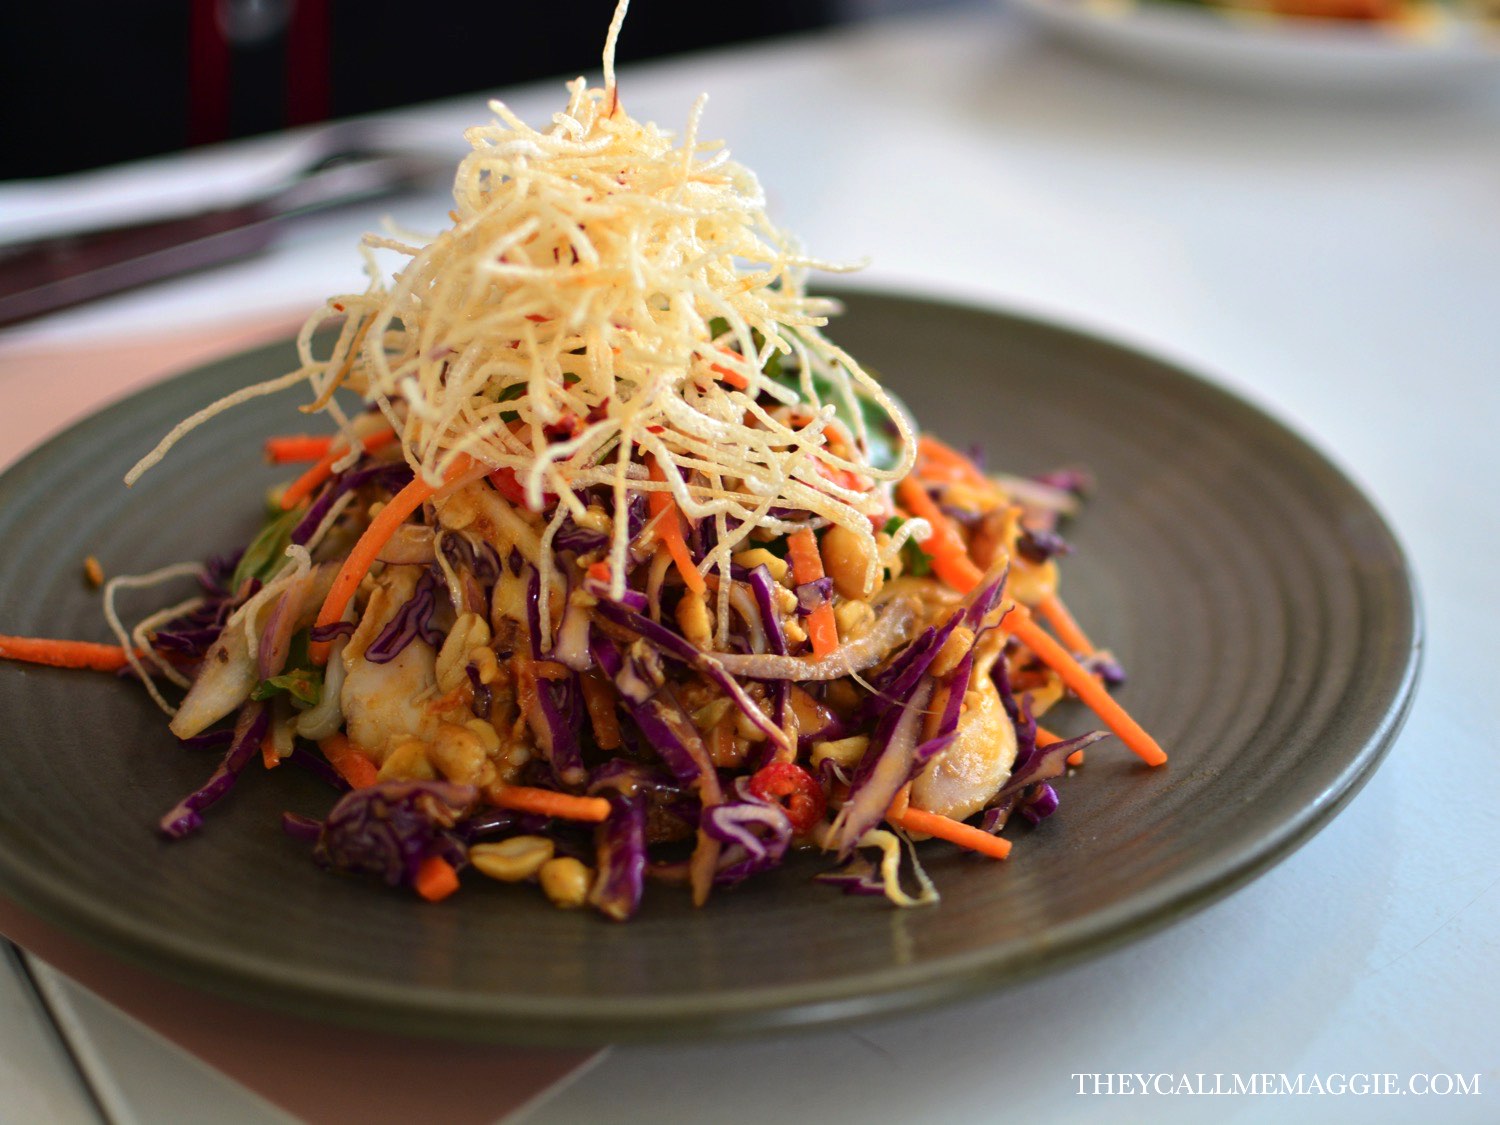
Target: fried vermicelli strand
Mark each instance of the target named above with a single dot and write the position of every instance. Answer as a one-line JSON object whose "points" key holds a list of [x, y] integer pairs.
{"points": [[611, 568]]}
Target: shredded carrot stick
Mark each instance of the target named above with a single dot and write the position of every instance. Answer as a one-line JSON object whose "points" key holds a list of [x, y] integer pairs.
{"points": [[353, 764], [936, 454], [64, 654], [950, 556], [546, 802], [362, 557], [1063, 624], [731, 377], [435, 879], [900, 802], [721, 742], [669, 530], [599, 698], [807, 566], [268, 756], [284, 449], [322, 469], [1019, 622], [954, 831]]}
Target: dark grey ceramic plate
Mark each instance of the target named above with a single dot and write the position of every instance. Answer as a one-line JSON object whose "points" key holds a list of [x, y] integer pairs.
{"points": [[1263, 610]]}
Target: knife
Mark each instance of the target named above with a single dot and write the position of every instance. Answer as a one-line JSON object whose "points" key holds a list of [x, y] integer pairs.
{"points": [[59, 272]]}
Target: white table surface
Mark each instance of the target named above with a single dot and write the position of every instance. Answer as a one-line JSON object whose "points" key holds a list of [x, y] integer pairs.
{"points": [[1336, 263]]}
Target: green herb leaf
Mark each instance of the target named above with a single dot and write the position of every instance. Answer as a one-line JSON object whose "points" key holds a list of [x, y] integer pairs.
{"points": [[303, 684], [914, 561], [267, 550]]}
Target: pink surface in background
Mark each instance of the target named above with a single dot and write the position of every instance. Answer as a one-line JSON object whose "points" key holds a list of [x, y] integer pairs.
{"points": [[350, 1075], [361, 1076], [45, 389]]}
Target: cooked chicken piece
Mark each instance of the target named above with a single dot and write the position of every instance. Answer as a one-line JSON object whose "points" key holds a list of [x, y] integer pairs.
{"points": [[959, 781], [385, 705]]}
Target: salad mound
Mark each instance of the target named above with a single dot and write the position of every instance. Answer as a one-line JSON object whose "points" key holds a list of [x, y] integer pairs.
{"points": [[613, 568]]}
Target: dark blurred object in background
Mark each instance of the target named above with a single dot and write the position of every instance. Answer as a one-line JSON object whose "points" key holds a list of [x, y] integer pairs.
{"points": [[95, 82]]}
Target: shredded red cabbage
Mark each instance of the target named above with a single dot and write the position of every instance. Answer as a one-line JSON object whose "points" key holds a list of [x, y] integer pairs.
{"points": [[654, 706], [390, 828], [412, 621], [683, 650], [389, 476], [184, 818], [811, 595], [621, 854], [1037, 545], [857, 876], [559, 701], [755, 834]]}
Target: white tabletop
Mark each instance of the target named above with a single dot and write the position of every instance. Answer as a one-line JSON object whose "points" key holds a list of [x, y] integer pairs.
{"points": [[1336, 263]]}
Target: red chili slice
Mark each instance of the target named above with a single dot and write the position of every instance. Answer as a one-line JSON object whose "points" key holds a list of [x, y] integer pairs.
{"points": [[794, 789], [512, 489]]}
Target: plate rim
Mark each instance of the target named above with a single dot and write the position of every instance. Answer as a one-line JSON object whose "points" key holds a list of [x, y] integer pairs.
{"points": [[748, 1011]]}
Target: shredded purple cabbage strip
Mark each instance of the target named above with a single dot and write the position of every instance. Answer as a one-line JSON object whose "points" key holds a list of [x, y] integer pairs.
{"points": [[185, 817]]}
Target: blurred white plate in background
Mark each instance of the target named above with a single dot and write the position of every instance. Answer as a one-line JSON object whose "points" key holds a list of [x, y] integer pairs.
{"points": [[1289, 54]]}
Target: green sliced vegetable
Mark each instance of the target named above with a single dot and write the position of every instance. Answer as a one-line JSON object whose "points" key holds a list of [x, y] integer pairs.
{"points": [[914, 561], [267, 550]]}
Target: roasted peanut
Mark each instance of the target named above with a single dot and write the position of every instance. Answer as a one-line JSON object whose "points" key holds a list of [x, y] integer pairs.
{"points": [[512, 860], [408, 762], [488, 737], [759, 556], [693, 619], [853, 618], [458, 754], [565, 881], [845, 752], [848, 559]]}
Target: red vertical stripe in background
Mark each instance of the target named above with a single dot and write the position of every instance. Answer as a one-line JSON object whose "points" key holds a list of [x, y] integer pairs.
{"points": [[307, 63], [208, 75]]}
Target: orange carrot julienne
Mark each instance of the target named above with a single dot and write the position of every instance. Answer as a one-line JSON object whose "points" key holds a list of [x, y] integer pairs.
{"points": [[668, 519], [1019, 622], [268, 756], [546, 802], [352, 763], [64, 654], [733, 378], [362, 557], [900, 802], [959, 467], [950, 557], [1063, 624], [728, 374], [599, 699], [283, 449], [435, 879], [322, 469], [954, 831], [807, 566]]}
